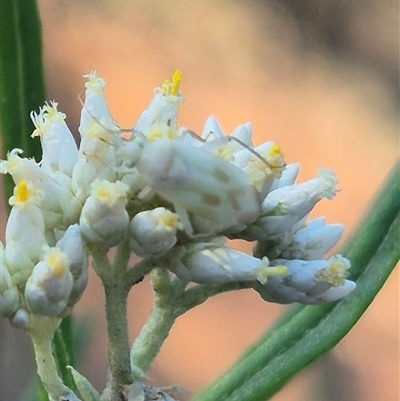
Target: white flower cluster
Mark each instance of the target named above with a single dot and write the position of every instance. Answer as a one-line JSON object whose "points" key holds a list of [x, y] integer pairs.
{"points": [[170, 194]]}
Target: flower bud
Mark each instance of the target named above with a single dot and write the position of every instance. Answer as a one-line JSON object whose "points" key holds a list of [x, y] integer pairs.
{"points": [[99, 133], [25, 233], [48, 288], [9, 295], [206, 263], [72, 245], [104, 219], [59, 206], [288, 177], [153, 231], [163, 108], [313, 241], [60, 152], [21, 319], [285, 206], [308, 282]]}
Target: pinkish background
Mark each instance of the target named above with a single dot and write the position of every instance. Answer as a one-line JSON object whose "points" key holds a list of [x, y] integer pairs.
{"points": [[318, 78]]}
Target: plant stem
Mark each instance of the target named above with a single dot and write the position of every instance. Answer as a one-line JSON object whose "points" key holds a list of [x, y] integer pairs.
{"points": [[149, 342], [156, 330], [41, 330], [171, 302], [118, 339], [116, 291]]}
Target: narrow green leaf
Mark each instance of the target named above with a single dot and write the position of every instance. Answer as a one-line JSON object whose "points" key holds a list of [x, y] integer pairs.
{"points": [[306, 332], [68, 335], [85, 388], [62, 356], [22, 84]]}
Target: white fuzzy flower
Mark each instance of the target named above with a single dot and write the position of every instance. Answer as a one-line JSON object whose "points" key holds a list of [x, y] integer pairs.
{"points": [[154, 231], [60, 151], [72, 245], [60, 207], [286, 206], [99, 135], [160, 118], [9, 296], [48, 288], [152, 183], [313, 241], [25, 232], [104, 219], [308, 282], [207, 263]]}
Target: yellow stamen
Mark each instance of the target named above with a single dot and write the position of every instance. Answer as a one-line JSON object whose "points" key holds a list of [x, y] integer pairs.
{"points": [[176, 82], [334, 274], [57, 261], [22, 192], [264, 272], [103, 193]]}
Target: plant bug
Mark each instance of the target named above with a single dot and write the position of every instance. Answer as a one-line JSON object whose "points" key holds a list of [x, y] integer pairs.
{"points": [[196, 181]]}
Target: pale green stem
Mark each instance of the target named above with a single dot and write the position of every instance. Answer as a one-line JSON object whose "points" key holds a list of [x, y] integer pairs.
{"points": [[41, 330], [117, 328], [151, 338], [136, 274], [116, 291], [200, 293], [171, 302], [162, 317]]}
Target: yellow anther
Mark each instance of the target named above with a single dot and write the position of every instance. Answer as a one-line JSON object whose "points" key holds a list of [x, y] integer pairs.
{"points": [[170, 221], [176, 82], [103, 193], [155, 133], [226, 151], [57, 262], [334, 274], [264, 272], [172, 134], [22, 193], [275, 150]]}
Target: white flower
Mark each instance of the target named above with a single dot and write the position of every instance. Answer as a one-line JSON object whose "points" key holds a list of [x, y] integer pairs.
{"points": [[48, 288], [60, 207], [99, 135], [286, 206], [60, 152], [25, 232], [207, 263], [288, 177], [308, 282], [72, 245], [104, 219], [9, 296], [21, 319], [313, 241], [154, 231], [172, 194], [160, 118]]}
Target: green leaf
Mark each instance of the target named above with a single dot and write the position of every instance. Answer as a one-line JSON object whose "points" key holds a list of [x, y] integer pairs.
{"points": [[62, 353], [307, 332], [22, 84], [86, 390]]}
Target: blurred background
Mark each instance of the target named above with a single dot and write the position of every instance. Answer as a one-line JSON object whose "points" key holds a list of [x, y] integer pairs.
{"points": [[320, 78]]}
